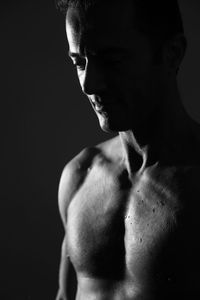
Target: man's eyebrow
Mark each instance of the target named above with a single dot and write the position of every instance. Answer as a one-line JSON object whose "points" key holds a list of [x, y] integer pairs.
{"points": [[105, 51]]}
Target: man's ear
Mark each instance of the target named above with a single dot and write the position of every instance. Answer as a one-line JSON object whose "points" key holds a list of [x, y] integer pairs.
{"points": [[174, 52]]}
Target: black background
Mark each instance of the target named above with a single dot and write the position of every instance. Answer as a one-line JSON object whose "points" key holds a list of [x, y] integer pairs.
{"points": [[45, 121]]}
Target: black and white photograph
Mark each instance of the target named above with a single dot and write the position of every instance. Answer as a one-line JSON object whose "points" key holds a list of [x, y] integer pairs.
{"points": [[100, 139]]}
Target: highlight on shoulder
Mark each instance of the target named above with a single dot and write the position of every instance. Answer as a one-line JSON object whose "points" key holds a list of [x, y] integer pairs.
{"points": [[72, 176]]}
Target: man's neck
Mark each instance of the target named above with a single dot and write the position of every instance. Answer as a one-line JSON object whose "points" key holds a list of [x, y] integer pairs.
{"points": [[160, 139]]}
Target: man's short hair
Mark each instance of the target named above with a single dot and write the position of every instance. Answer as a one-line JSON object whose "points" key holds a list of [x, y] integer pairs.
{"points": [[157, 19]]}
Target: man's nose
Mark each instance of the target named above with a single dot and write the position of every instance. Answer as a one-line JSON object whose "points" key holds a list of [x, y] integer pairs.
{"points": [[93, 81]]}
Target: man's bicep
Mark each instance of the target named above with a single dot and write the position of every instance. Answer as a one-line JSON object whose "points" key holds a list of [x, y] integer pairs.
{"points": [[66, 190], [72, 178], [67, 276], [69, 182]]}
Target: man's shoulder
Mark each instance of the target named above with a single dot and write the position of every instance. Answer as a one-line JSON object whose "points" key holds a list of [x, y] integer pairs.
{"points": [[84, 159], [192, 177], [72, 177], [187, 180], [192, 169], [76, 170]]}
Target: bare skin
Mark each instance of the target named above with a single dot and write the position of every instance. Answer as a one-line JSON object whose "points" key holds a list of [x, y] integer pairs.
{"points": [[129, 239], [130, 206]]}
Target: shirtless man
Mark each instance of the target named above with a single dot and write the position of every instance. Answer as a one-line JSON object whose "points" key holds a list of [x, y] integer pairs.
{"points": [[130, 206]]}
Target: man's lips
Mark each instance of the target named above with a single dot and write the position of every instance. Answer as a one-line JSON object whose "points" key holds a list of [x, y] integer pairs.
{"points": [[101, 103], [104, 106], [99, 106]]}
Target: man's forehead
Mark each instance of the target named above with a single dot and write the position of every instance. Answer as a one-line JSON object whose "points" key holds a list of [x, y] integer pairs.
{"points": [[102, 25], [104, 13]]}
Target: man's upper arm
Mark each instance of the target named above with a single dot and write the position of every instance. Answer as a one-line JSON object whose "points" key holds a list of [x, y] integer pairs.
{"points": [[67, 188], [72, 177]]}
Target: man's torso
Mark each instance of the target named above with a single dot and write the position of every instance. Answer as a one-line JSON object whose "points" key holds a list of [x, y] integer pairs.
{"points": [[134, 239]]}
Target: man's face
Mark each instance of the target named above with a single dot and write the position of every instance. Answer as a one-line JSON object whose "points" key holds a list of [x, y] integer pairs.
{"points": [[115, 65]]}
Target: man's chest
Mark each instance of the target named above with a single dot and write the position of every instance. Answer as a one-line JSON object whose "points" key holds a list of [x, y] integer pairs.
{"points": [[117, 227]]}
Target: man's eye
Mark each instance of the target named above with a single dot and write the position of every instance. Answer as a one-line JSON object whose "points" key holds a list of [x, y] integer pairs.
{"points": [[79, 64]]}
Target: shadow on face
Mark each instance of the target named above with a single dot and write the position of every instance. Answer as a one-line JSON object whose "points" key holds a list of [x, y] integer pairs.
{"points": [[116, 64]]}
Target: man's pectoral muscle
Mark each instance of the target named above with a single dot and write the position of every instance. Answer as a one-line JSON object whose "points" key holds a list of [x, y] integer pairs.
{"points": [[125, 238]]}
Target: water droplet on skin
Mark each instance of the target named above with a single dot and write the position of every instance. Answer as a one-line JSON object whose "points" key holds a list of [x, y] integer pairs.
{"points": [[140, 240], [127, 217], [162, 203]]}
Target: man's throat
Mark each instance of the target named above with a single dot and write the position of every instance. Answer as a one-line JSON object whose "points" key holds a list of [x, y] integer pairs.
{"points": [[134, 156]]}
